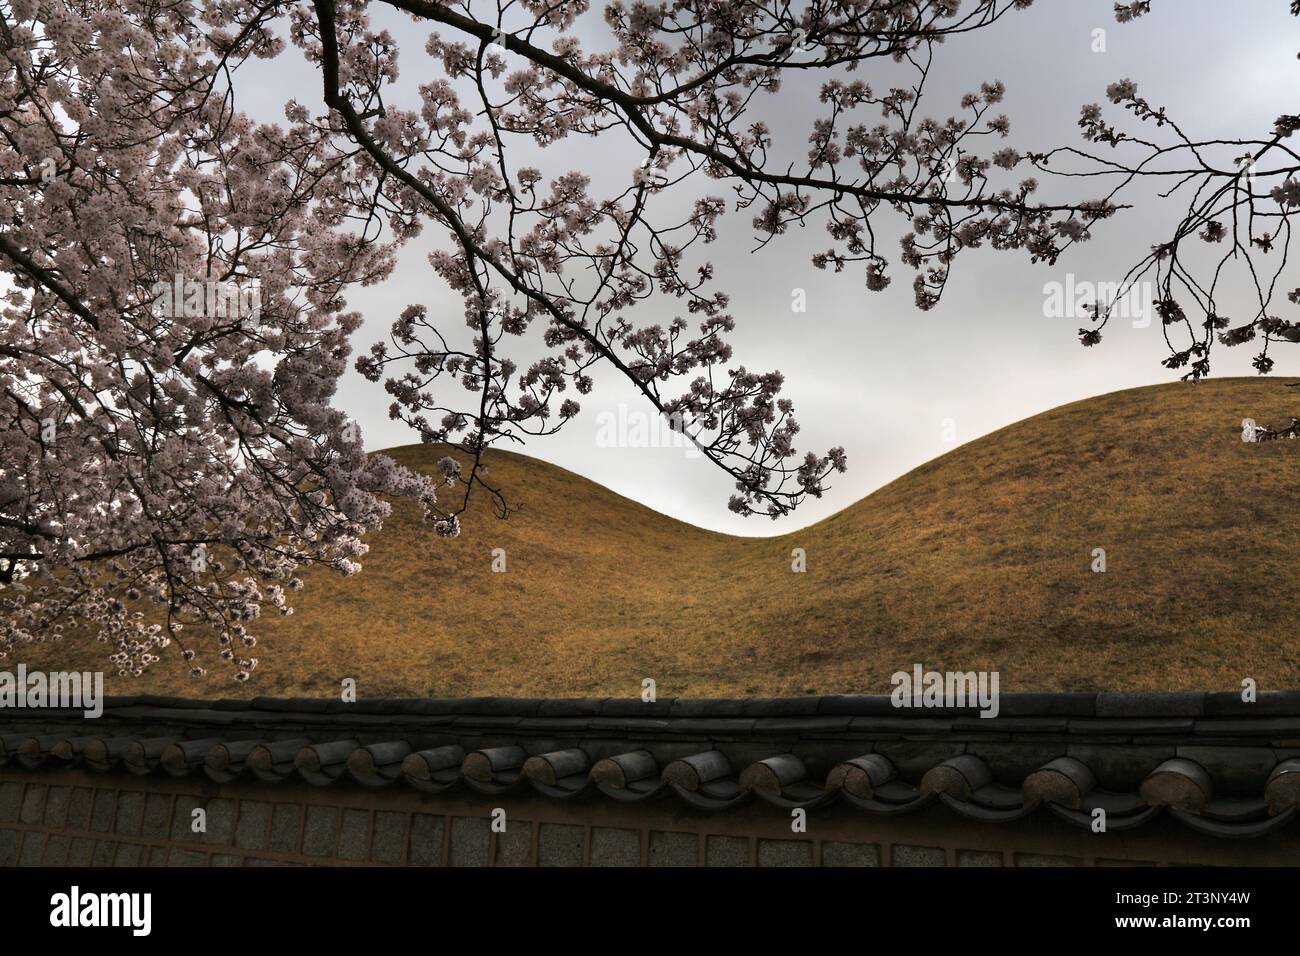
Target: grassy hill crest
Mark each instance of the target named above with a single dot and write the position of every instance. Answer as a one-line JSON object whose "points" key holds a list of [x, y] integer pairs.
{"points": [[978, 560]]}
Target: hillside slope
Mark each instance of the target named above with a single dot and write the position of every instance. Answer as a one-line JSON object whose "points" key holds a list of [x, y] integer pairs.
{"points": [[980, 559]]}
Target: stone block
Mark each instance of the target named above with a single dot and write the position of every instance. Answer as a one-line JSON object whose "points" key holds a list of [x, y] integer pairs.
{"points": [[130, 813], [56, 807], [80, 852], [353, 834], [56, 850], [183, 820], [388, 843], [157, 807], [103, 853], [905, 855], [559, 845], [726, 851], [221, 821], [11, 801], [1046, 859], [469, 841], [34, 803], [32, 849], [673, 849], [253, 831], [286, 827], [321, 831], [615, 847], [515, 846], [979, 858], [850, 854], [183, 857], [79, 805], [128, 854], [8, 847], [103, 811], [785, 853], [426, 839]]}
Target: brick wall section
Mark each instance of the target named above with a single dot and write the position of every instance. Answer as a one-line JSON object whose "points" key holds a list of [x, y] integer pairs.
{"points": [[82, 819]]}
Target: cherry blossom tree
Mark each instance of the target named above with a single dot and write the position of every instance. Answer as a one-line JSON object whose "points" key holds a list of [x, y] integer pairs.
{"points": [[1241, 196], [176, 322], [171, 341]]}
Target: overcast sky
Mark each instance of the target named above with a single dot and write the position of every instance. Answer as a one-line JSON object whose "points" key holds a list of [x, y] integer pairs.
{"points": [[867, 370]]}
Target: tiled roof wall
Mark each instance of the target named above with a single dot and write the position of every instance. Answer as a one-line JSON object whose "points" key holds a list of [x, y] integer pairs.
{"points": [[1214, 763], [83, 818]]}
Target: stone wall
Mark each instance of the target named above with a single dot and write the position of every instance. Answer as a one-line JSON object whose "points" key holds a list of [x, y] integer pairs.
{"points": [[83, 819]]}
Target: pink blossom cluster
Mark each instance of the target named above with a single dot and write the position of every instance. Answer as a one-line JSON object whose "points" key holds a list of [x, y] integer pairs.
{"points": [[165, 473]]}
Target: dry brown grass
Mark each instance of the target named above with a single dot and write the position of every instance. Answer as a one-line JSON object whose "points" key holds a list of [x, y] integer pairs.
{"points": [[978, 560]]}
